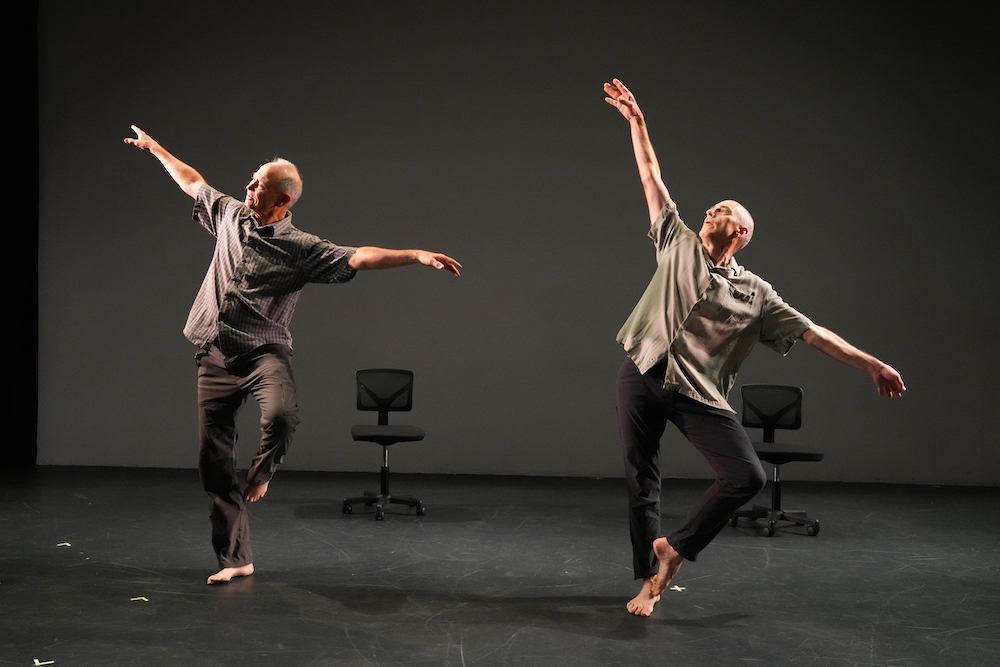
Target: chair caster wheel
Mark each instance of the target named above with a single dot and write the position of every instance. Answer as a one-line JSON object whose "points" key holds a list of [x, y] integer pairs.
{"points": [[347, 509], [813, 530], [769, 530], [379, 513], [734, 520], [421, 510]]}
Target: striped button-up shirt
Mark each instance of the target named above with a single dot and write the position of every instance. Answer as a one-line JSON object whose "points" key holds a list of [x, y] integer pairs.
{"points": [[703, 319], [249, 293]]}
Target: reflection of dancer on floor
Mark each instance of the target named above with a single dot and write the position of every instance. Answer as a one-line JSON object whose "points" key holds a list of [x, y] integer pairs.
{"points": [[240, 323], [698, 319]]}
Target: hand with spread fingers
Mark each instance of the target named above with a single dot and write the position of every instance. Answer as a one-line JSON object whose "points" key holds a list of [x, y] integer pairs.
{"points": [[622, 99]]}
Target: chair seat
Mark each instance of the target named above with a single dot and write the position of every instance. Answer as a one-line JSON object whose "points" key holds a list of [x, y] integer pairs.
{"points": [[781, 454], [386, 435]]}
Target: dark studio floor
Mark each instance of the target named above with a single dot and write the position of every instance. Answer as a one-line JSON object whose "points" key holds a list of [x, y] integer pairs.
{"points": [[107, 567]]}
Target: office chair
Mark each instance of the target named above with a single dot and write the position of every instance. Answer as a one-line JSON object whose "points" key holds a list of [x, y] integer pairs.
{"points": [[385, 390], [770, 407]]}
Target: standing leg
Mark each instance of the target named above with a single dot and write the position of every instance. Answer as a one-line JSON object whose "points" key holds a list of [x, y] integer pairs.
{"points": [[642, 417], [219, 401], [643, 409], [739, 476]]}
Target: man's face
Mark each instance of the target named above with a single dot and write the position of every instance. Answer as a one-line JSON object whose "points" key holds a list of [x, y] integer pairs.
{"points": [[261, 193], [722, 223]]}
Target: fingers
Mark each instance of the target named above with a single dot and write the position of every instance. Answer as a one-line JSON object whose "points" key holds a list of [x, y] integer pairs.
{"points": [[891, 387], [615, 92], [139, 136], [439, 261], [449, 264]]}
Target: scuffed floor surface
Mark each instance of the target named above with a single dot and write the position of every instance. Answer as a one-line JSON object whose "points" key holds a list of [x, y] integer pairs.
{"points": [[107, 567]]}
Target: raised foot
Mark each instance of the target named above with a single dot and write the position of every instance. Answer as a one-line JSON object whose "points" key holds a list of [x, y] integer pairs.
{"points": [[228, 573], [255, 492], [670, 563]]}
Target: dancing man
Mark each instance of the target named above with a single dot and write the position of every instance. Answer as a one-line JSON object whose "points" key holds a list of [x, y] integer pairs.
{"points": [[239, 322], [685, 340]]}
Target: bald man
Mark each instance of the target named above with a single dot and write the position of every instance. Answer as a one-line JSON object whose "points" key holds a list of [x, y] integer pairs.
{"points": [[239, 322], [685, 340]]}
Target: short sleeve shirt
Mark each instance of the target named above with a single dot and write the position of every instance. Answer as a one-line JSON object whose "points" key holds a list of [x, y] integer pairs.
{"points": [[253, 283], [702, 319]]}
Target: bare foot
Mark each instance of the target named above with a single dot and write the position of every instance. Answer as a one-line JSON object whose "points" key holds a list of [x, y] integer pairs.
{"points": [[670, 562], [255, 492], [642, 604], [227, 573]]}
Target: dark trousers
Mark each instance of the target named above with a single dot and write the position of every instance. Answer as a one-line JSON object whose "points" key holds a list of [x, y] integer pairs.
{"points": [[223, 387], [644, 408]]}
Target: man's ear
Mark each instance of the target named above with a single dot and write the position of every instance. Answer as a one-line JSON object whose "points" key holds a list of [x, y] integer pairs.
{"points": [[284, 199]]}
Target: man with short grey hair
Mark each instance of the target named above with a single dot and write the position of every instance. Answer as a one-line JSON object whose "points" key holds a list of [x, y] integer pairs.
{"points": [[686, 338], [239, 322]]}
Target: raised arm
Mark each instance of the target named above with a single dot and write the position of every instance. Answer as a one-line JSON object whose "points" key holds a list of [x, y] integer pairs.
{"points": [[371, 257], [185, 176], [887, 380], [622, 99]]}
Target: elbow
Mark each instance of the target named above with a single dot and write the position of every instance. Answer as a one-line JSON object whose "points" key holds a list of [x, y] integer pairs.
{"points": [[192, 188], [363, 259], [652, 183], [814, 335]]}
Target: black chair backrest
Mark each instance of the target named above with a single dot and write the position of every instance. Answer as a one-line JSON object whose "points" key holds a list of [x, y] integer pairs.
{"points": [[771, 406], [385, 390]]}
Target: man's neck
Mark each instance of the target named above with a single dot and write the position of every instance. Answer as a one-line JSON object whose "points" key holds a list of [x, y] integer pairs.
{"points": [[272, 217], [721, 256]]}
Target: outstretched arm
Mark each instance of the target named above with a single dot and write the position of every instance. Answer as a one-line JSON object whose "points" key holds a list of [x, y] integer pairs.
{"points": [[887, 380], [370, 257], [622, 99], [184, 175]]}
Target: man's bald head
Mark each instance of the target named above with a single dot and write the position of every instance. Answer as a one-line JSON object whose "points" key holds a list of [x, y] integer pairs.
{"points": [[746, 221], [286, 179]]}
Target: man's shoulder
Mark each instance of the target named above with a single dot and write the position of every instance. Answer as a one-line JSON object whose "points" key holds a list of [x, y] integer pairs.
{"points": [[290, 232], [668, 231], [211, 199], [746, 275]]}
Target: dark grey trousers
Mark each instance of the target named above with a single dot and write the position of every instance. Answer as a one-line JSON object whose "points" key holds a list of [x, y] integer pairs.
{"points": [[644, 408], [223, 387]]}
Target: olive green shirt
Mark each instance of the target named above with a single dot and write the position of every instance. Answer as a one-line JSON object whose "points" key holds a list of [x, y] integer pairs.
{"points": [[703, 319]]}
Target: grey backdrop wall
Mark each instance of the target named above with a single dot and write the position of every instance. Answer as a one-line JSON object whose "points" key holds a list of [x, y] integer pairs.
{"points": [[863, 142]]}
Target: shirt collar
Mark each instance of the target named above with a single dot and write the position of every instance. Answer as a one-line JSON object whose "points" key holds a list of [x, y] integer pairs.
{"points": [[274, 229], [731, 270]]}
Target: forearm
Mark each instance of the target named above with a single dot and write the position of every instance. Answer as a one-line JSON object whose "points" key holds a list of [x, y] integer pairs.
{"points": [[887, 380], [371, 257], [826, 341], [184, 175], [645, 157], [649, 167]]}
